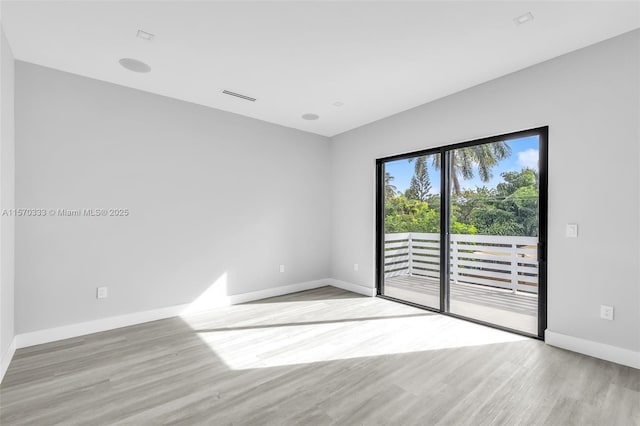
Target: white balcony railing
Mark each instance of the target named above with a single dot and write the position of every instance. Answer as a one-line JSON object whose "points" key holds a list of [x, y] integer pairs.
{"points": [[488, 260]]}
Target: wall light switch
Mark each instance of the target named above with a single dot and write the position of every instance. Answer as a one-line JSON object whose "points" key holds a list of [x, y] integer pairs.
{"points": [[355, 267], [572, 230], [102, 293], [606, 312], [281, 268]]}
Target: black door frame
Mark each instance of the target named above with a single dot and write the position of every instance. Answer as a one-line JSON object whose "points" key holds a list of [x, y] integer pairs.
{"points": [[445, 178]]}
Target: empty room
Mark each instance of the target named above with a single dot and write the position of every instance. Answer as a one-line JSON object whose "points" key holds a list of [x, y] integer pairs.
{"points": [[319, 212]]}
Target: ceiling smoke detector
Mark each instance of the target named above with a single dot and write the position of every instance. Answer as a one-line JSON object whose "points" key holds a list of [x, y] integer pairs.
{"points": [[523, 19], [134, 65], [310, 116]]}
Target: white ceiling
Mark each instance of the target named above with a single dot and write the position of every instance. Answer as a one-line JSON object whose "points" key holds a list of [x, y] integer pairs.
{"points": [[378, 58]]}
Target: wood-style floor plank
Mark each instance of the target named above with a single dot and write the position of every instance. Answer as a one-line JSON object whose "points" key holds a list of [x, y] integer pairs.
{"points": [[323, 356]]}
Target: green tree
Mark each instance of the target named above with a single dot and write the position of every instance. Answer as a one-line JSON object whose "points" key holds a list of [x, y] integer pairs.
{"points": [[389, 188], [520, 193], [409, 215], [470, 200], [514, 180], [509, 209], [420, 183], [484, 157]]}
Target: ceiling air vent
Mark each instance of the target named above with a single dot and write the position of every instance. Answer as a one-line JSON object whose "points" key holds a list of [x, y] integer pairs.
{"points": [[238, 95]]}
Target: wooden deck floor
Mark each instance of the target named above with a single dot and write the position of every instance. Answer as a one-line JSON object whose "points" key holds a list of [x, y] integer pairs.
{"points": [[502, 307]]}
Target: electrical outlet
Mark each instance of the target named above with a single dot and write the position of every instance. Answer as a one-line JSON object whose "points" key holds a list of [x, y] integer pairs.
{"points": [[281, 268], [355, 267], [102, 293], [606, 312]]}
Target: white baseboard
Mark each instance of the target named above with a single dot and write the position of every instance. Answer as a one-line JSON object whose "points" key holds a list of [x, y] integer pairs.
{"points": [[38, 337], [355, 288], [6, 358], [599, 350], [80, 329], [276, 291], [595, 349]]}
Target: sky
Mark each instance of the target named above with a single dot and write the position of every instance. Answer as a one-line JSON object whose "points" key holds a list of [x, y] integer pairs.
{"points": [[524, 153]]}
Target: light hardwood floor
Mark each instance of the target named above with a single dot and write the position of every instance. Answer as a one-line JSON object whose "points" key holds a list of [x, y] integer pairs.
{"points": [[323, 356]]}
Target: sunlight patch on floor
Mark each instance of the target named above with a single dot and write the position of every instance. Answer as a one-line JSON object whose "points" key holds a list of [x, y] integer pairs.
{"points": [[281, 344]]}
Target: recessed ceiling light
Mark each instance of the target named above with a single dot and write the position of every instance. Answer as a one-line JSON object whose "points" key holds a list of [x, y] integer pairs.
{"points": [[145, 35], [523, 18], [338, 104], [310, 116], [134, 65]]}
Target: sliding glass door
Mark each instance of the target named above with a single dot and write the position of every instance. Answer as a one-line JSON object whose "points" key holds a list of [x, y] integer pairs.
{"points": [[494, 222], [412, 230], [461, 230]]}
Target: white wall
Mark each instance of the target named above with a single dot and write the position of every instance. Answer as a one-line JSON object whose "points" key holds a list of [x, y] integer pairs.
{"points": [[213, 193], [590, 100], [210, 193], [6, 201]]}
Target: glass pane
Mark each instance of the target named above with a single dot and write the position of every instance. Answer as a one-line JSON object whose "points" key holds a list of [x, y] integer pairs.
{"points": [[494, 233], [412, 230]]}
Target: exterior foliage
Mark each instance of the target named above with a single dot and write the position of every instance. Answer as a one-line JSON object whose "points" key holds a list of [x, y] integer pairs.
{"points": [[420, 183], [509, 209], [484, 157], [389, 188]]}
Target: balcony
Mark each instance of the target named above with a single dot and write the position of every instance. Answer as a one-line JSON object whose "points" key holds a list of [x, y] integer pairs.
{"points": [[492, 278]]}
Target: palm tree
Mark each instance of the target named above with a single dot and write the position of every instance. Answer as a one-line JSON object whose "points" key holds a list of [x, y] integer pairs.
{"points": [[389, 189], [484, 157]]}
